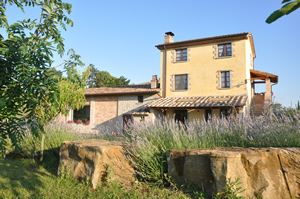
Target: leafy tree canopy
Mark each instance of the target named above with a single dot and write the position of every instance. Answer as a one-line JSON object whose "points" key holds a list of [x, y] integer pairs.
{"points": [[27, 83], [289, 7], [104, 79]]}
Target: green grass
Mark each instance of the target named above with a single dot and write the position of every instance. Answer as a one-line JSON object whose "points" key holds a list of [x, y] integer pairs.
{"points": [[23, 178]]}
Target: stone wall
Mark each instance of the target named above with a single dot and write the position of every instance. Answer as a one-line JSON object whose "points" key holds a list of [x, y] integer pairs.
{"points": [[129, 103], [95, 160], [264, 172]]}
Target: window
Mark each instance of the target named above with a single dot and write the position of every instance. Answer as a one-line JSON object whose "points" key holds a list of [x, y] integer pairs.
{"points": [[181, 82], [224, 50], [224, 113], [225, 79], [140, 99], [181, 115], [207, 114], [181, 55], [82, 114]]}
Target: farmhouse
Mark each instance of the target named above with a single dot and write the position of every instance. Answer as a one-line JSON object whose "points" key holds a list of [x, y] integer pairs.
{"points": [[110, 106], [200, 78], [212, 76]]}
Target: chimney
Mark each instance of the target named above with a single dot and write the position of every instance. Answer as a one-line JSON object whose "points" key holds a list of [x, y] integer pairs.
{"points": [[169, 37], [154, 82]]}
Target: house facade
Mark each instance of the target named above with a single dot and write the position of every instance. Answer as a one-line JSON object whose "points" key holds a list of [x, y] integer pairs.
{"points": [[211, 76]]}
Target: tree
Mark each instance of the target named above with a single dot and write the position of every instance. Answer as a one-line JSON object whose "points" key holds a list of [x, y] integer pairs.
{"points": [[104, 79], [122, 81], [91, 82], [71, 91], [285, 10], [25, 58]]}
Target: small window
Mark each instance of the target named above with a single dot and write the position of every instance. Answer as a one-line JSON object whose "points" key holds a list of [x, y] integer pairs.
{"points": [[181, 82], [140, 99], [224, 113], [207, 114], [224, 50], [181, 55], [225, 79]]}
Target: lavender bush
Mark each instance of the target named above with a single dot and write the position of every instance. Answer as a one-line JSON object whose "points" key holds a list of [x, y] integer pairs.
{"points": [[149, 141]]}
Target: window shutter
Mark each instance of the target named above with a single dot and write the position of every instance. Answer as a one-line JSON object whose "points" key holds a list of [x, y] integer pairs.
{"points": [[188, 54]]}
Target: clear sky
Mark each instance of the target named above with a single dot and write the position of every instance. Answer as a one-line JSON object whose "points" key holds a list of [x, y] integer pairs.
{"points": [[120, 36]]}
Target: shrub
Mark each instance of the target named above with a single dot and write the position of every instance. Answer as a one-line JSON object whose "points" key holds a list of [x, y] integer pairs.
{"points": [[151, 140], [87, 122]]}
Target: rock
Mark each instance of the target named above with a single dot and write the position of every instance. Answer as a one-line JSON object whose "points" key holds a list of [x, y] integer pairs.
{"points": [[264, 172], [96, 160]]}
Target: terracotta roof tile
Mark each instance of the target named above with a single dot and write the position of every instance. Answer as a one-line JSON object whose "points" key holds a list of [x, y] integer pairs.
{"points": [[119, 90], [199, 101], [205, 40]]}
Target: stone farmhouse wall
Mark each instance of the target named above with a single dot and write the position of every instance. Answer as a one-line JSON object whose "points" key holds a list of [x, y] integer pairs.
{"points": [[129, 103]]}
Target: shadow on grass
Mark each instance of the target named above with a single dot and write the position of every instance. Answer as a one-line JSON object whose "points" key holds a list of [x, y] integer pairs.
{"points": [[51, 160], [19, 177]]}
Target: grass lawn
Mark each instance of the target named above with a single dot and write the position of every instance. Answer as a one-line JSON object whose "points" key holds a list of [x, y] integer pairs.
{"points": [[23, 178]]}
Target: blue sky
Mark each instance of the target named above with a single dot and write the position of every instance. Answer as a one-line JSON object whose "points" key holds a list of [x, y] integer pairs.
{"points": [[120, 36]]}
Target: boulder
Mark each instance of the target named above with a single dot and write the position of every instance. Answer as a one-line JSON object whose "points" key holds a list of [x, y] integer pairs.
{"points": [[264, 172], [95, 160]]}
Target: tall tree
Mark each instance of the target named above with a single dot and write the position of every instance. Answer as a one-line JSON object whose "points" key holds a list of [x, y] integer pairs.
{"points": [[71, 91], [285, 10], [26, 52], [104, 79], [91, 82], [121, 81]]}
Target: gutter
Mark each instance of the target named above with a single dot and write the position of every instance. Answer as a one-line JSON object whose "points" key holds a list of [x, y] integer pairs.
{"points": [[165, 74]]}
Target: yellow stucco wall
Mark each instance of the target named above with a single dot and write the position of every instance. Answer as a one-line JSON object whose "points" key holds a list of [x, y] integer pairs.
{"points": [[203, 69], [194, 114]]}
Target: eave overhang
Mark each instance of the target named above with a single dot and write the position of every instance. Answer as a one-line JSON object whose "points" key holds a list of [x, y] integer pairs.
{"points": [[208, 40], [256, 74]]}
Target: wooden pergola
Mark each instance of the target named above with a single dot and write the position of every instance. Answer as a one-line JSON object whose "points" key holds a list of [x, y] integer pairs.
{"points": [[266, 78]]}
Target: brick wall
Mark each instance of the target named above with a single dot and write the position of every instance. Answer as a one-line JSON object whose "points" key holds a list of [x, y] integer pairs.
{"points": [[105, 109]]}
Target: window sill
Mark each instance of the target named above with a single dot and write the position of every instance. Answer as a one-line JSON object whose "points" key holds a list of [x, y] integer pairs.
{"points": [[179, 90], [223, 57], [180, 61], [224, 88]]}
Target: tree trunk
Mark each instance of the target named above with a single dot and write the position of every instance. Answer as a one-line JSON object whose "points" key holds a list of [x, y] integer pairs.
{"points": [[42, 145]]}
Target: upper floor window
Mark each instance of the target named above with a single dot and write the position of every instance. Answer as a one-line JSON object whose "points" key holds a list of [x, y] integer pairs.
{"points": [[181, 82], [181, 55], [225, 81], [224, 50]]}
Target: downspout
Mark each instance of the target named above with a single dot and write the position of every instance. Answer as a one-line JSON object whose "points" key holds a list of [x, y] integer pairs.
{"points": [[165, 74], [272, 91]]}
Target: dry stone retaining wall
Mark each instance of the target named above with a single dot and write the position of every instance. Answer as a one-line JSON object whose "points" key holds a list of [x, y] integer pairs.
{"points": [[266, 172]]}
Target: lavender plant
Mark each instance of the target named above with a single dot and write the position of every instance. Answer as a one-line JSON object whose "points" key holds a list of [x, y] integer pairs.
{"points": [[149, 141]]}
